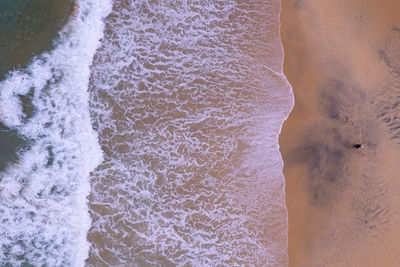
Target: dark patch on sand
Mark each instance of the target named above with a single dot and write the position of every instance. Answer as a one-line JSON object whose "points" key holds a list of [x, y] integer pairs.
{"points": [[325, 153], [396, 29], [391, 65], [340, 101], [328, 150], [372, 209], [298, 3], [335, 169], [330, 96], [387, 101], [387, 109], [390, 53]]}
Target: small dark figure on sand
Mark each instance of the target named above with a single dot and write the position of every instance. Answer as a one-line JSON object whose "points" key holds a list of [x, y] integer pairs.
{"points": [[358, 146]]}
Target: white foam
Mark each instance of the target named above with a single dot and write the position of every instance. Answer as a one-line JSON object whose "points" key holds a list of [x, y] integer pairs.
{"points": [[44, 213], [200, 182]]}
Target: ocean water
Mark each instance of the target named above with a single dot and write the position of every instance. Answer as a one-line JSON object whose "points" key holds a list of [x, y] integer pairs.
{"points": [[27, 27], [188, 99], [160, 148], [43, 206]]}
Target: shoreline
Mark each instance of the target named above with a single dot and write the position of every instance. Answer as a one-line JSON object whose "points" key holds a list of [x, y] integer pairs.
{"points": [[342, 62]]}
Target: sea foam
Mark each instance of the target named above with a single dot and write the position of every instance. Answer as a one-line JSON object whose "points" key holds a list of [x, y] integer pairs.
{"points": [[44, 213], [188, 98]]}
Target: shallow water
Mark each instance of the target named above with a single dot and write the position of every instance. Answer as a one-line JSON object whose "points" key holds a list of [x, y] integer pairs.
{"points": [[188, 98]]}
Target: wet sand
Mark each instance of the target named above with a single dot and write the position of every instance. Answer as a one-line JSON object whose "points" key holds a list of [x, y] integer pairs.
{"points": [[342, 59]]}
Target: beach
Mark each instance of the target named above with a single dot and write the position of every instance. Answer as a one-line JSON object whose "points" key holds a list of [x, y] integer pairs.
{"points": [[342, 59], [146, 133]]}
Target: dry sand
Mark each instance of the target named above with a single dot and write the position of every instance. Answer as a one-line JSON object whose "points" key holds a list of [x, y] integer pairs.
{"points": [[342, 58]]}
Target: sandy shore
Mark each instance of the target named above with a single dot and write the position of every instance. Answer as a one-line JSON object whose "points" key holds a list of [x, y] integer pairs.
{"points": [[342, 58]]}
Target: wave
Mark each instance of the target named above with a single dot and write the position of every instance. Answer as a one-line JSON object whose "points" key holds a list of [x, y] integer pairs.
{"points": [[44, 213]]}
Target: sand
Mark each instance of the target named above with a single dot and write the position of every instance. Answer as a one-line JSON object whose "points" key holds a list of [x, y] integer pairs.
{"points": [[342, 59]]}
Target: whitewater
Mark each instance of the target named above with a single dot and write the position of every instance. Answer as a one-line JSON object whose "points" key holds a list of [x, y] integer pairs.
{"points": [[43, 205], [188, 98]]}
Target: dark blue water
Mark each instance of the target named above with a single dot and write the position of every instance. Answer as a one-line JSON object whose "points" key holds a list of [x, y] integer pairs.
{"points": [[27, 28]]}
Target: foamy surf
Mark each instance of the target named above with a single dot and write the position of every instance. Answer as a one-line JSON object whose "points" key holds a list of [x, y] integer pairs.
{"points": [[43, 205], [188, 98]]}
